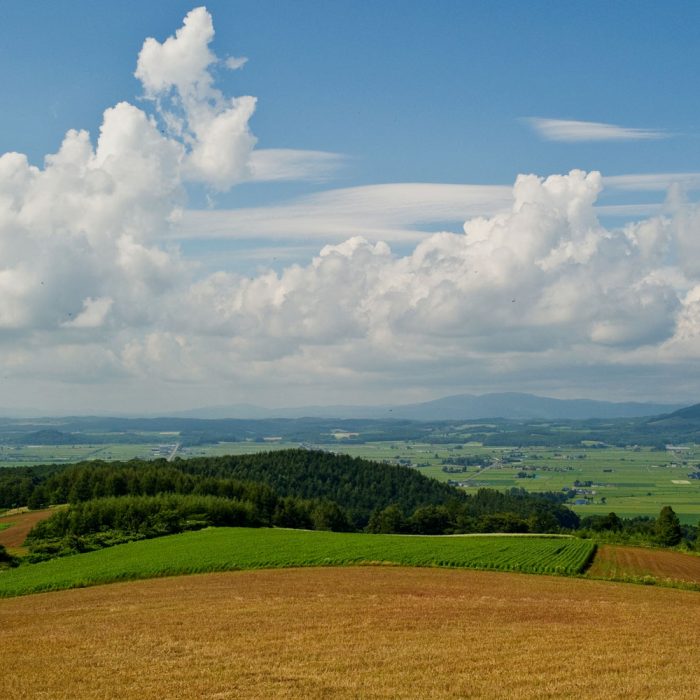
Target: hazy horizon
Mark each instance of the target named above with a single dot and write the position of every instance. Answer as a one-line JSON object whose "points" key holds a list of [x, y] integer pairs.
{"points": [[370, 411]]}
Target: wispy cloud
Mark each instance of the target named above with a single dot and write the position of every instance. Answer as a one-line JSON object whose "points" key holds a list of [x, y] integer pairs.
{"points": [[571, 130], [235, 62], [392, 212], [629, 211], [395, 212], [276, 164], [652, 182]]}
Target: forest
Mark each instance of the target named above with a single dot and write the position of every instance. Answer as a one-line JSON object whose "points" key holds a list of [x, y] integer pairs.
{"points": [[114, 502]]}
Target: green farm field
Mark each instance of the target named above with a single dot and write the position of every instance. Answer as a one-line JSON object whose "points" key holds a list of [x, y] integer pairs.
{"points": [[28, 455], [629, 481], [154, 445], [226, 549]]}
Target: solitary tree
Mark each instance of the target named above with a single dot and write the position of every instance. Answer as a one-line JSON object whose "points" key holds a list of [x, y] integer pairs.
{"points": [[668, 528]]}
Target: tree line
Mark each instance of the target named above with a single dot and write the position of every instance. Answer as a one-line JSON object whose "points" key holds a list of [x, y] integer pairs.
{"points": [[111, 502], [666, 530], [106, 521], [359, 486]]}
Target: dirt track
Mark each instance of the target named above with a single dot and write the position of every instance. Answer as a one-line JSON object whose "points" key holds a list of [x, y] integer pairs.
{"points": [[21, 523]]}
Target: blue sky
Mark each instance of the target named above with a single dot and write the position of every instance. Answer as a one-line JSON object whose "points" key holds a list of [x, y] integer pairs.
{"points": [[444, 105], [412, 91]]}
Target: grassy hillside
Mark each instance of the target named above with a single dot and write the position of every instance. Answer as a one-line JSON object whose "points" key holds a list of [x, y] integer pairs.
{"points": [[221, 549]]}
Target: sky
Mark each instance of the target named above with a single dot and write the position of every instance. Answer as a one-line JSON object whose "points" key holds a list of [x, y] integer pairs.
{"points": [[326, 202]]}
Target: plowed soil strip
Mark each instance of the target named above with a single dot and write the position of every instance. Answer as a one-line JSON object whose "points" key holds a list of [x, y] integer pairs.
{"points": [[352, 633], [20, 525], [622, 563]]}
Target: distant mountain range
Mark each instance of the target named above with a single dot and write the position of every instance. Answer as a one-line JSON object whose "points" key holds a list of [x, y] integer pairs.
{"points": [[460, 407], [684, 418]]}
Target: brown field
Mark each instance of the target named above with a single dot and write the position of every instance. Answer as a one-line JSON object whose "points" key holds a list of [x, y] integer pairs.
{"points": [[353, 633], [21, 523], [622, 563]]}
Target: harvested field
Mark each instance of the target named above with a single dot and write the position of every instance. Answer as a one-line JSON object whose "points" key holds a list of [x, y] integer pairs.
{"points": [[352, 632], [19, 526], [631, 563]]}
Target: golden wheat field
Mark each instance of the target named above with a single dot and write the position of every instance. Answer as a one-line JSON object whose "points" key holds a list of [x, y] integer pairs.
{"points": [[367, 632]]}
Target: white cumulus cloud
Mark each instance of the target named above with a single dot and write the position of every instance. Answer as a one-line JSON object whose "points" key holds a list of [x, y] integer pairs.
{"points": [[535, 289], [214, 128], [545, 277], [182, 61], [93, 315]]}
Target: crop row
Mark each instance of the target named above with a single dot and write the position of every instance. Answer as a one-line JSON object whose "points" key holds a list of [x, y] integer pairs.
{"points": [[225, 549]]}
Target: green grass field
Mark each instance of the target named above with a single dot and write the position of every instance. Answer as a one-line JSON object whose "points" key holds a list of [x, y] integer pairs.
{"points": [[225, 549]]}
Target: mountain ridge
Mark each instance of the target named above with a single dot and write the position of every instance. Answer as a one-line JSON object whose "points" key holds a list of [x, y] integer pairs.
{"points": [[507, 405]]}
